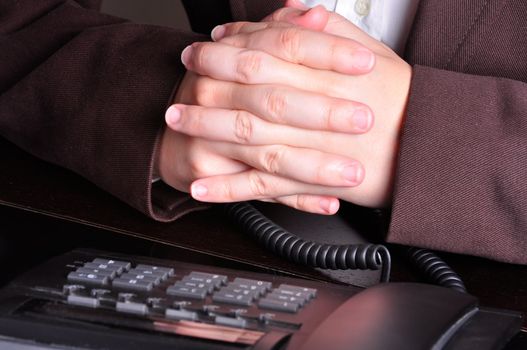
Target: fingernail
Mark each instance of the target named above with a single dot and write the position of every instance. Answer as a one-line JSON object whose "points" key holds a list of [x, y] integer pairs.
{"points": [[362, 119], [329, 206], [218, 33], [186, 55], [198, 191], [364, 60], [352, 174], [172, 115]]}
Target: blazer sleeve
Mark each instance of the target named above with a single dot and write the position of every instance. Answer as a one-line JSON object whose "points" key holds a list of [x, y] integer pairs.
{"points": [[88, 91], [461, 183]]}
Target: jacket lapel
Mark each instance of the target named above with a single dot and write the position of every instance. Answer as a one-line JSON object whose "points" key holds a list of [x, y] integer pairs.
{"points": [[446, 32]]}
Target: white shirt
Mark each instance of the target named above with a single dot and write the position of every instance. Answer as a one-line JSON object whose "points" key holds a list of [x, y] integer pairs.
{"points": [[386, 20]]}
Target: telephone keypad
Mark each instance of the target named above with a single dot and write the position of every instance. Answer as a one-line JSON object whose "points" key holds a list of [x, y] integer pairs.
{"points": [[198, 296]]}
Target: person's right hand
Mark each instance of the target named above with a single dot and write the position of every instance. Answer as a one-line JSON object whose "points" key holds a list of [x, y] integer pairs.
{"points": [[186, 158], [278, 56], [258, 147]]}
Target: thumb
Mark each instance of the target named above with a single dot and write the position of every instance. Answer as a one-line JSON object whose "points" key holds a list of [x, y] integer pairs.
{"points": [[301, 15], [320, 19], [315, 18]]}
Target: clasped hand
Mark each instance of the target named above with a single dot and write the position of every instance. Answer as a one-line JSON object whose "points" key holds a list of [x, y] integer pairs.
{"points": [[303, 109]]}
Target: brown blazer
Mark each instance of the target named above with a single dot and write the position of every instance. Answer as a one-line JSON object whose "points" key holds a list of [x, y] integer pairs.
{"points": [[88, 91]]}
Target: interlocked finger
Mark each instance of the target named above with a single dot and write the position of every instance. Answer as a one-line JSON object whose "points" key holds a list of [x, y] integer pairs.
{"points": [[307, 47], [300, 164], [309, 203], [253, 185], [273, 120]]}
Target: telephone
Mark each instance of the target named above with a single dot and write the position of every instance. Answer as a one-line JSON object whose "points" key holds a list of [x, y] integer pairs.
{"points": [[88, 299]]}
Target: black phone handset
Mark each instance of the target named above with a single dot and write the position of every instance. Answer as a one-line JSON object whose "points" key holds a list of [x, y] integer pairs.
{"points": [[336, 257]]}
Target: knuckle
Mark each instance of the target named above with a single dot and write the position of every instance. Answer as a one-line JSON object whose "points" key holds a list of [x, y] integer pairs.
{"points": [[339, 49], [226, 192], [196, 172], [196, 162], [203, 92], [243, 127], [235, 28], [289, 40], [232, 34], [198, 169], [202, 54], [301, 202], [334, 51], [320, 175], [196, 120], [330, 115], [272, 158], [248, 65], [257, 184], [276, 105]]}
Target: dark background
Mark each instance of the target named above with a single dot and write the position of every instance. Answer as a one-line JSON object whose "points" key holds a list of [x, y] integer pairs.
{"points": [[163, 12]]}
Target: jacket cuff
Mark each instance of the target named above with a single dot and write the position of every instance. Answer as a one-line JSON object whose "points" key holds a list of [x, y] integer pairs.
{"points": [[455, 190]]}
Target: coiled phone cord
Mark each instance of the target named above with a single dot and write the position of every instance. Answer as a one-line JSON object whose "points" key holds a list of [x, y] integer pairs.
{"points": [[335, 257], [436, 269], [313, 254]]}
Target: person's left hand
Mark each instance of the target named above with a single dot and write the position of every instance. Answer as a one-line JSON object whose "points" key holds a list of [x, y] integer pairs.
{"points": [[385, 90]]}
